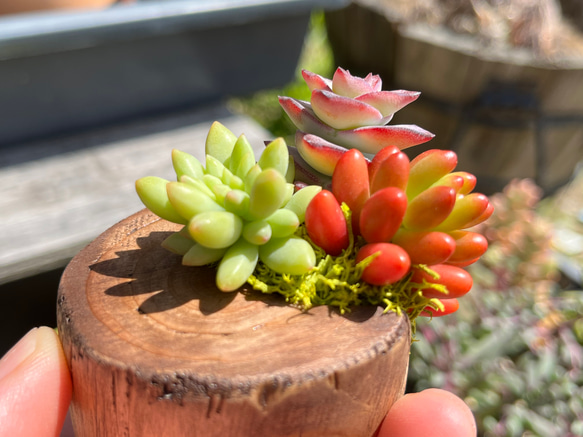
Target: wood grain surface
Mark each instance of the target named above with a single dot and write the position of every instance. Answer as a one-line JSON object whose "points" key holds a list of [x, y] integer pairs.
{"points": [[156, 350]]}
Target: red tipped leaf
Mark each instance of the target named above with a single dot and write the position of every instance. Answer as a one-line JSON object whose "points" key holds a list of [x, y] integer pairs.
{"points": [[428, 247], [389, 102], [468, 209], [322, 155], [325, 223], [391, 264], [345, 84], [371, 139], [350, 184], [316, 82], [428, 168], [392, 172], [449, 306], [342, 112], [430, 208], [382, 215], [303, 117], [457, 281], [469, 246], [378, 159]]}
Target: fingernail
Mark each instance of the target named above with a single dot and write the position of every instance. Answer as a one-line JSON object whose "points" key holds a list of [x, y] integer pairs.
{"points": [[19, 353]]}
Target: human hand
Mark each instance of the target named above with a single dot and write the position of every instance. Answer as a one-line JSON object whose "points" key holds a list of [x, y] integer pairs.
{"points": [[35, 386], [35, 391], [430, 413]]}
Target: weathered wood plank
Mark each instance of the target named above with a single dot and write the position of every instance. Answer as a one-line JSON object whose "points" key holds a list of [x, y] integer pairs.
{"points": [[58, 195]]}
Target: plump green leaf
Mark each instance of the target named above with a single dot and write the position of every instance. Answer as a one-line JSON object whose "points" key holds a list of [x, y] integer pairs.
{"points": [[186, 164], [152, 193], [220, 142], [276, 156], [237, 265], [267, 195], [293, 256], [215, 229]]}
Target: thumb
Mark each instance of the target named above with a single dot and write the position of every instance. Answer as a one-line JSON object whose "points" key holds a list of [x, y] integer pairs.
{"points": [[35, 386], [433, 412]]}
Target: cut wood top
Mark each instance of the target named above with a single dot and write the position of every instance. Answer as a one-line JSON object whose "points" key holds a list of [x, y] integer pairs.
{"points": [[126, 302]]}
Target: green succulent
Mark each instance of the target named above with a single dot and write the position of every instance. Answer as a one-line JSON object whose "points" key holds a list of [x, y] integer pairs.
{"points": [[235, 211]]}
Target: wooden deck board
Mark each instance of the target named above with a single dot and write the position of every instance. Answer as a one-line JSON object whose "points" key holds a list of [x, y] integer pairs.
{"points": [[77, 187]]}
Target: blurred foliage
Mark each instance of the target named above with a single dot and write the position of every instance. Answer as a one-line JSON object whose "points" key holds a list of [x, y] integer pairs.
{"points": [[565, 210], [514, 350], [264, 107]]}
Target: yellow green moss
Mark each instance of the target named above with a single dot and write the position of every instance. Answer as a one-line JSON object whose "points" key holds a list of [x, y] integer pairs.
{"points": [[336, 281]]}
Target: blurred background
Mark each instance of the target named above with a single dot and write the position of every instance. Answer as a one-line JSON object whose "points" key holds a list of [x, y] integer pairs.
{"points": [[85, 93]]}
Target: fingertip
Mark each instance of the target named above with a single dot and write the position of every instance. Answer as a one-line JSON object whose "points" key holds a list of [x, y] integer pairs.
{"points": [[432, 412], [35, 386], [56, 366]]}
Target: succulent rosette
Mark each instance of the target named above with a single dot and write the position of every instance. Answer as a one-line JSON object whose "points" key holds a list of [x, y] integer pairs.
{"points": [[235, 211], [347, 112]]}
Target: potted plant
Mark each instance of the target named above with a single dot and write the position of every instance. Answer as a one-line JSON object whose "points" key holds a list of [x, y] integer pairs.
{"points": [[283, 308]]}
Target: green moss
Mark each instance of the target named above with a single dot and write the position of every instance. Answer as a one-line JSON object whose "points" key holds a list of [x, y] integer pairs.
{"points": [[336, 281]]}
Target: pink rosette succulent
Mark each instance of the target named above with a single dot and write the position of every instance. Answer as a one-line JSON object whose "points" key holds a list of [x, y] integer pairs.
{"points": [[347, 112]]}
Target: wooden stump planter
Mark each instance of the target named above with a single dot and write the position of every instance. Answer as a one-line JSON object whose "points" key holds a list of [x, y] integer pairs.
{"points": [[505, 113], [155, 349]]}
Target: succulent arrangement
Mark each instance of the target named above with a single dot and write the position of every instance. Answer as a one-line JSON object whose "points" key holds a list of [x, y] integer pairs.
{"points": [[372, 227], [514, 350]]}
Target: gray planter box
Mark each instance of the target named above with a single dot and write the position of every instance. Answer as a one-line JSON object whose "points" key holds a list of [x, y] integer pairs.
{"points": [[65, 71]]}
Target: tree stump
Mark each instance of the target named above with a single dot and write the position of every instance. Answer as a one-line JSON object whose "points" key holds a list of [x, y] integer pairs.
{"points": [[155, 349]]}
